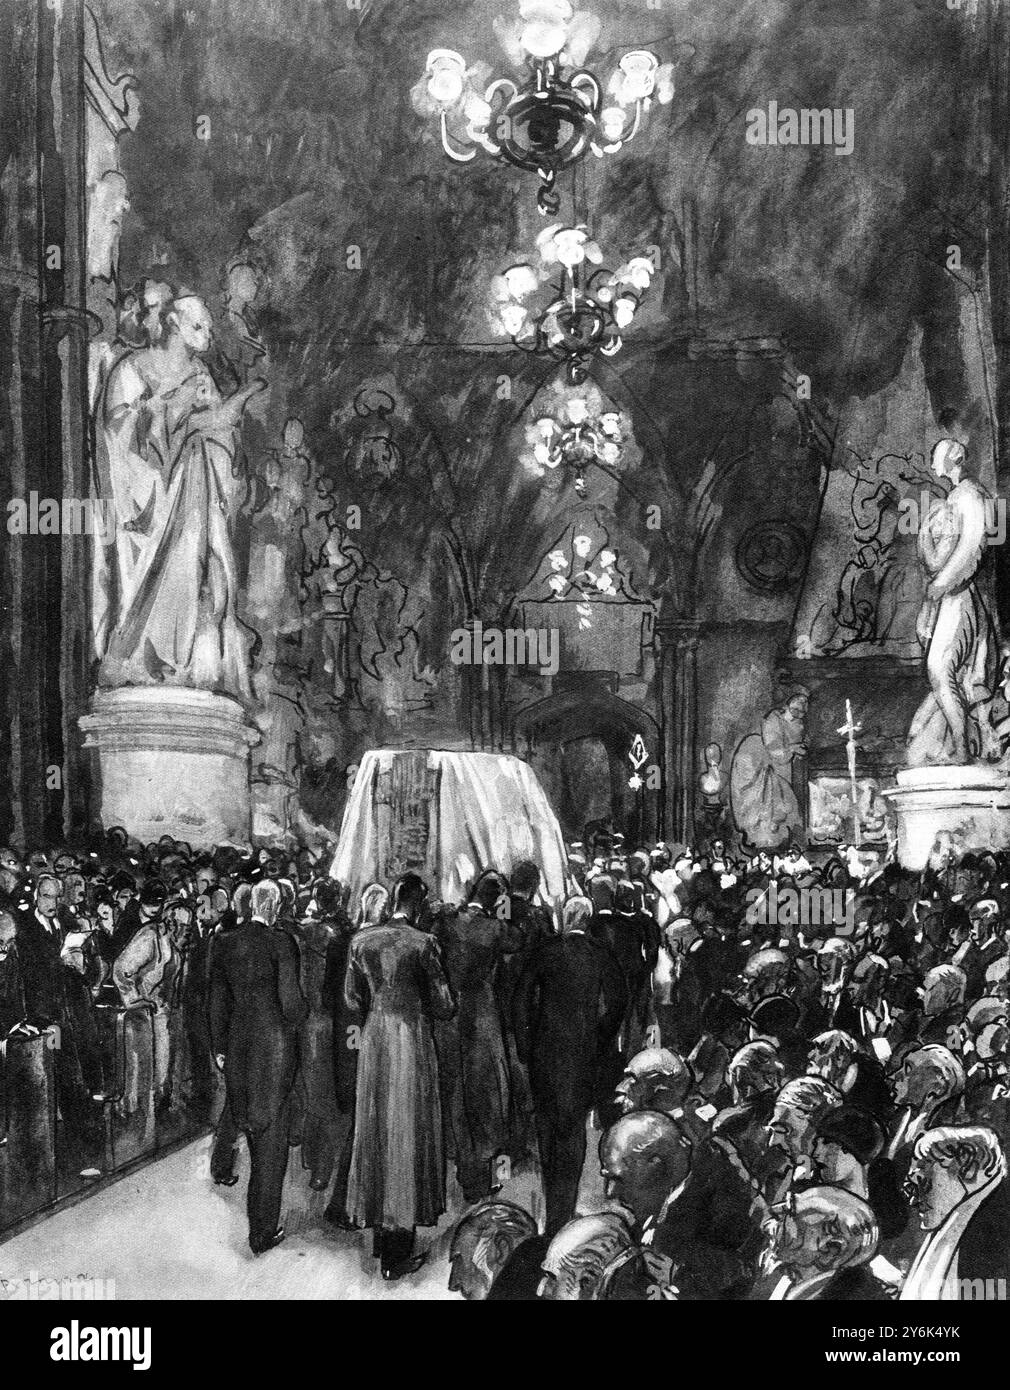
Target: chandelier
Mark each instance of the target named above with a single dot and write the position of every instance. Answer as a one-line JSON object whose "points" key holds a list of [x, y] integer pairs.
{"points": [[575, 579], [588, 309], [575, 435], [557, 113]]}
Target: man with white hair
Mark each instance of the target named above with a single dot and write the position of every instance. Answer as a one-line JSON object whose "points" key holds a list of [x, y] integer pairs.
{"points": [[957, 1185], [983, 948], [927, 1084], [566, 1012], [495, 1243], [581, 1257], [799, 1107], [823, 1240], [256, 1008]]}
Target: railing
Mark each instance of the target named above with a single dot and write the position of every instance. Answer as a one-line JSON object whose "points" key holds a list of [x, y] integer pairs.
{"points": [[152, 1097]]}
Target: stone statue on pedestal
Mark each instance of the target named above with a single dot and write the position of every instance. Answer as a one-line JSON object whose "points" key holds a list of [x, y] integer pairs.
{"points": [[957, 722], [765, 807], [166, 585], [954, 796]]}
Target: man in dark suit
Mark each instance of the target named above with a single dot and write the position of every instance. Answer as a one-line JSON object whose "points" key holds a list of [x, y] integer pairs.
{"points": [[137, 913], [710, 1233], [39, 943], [472, 1056], [958, 1187], [566, 1012], [823, 1240], [211, 906], [496, 1254], [984, 947], [535, 925], [256, 1008], [755, 1075], [47, 1002], [13, 1010], [636, 942], [837, 1057]]}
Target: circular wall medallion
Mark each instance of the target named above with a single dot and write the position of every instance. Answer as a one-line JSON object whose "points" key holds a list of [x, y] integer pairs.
{"points": [[771, 554]]}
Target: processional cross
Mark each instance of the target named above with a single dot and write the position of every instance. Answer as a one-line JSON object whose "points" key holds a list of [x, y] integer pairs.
{"points": [[851, 729]]}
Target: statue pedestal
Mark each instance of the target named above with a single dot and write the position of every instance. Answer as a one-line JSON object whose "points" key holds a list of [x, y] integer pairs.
{"points": [[172, 761], [960, 808]]}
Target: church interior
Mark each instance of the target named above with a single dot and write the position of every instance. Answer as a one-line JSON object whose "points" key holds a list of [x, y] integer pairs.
{"points": [[417, 458]]}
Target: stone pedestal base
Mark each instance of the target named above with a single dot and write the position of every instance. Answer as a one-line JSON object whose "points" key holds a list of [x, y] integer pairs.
{"points": [[944, 810], [172, 761]]}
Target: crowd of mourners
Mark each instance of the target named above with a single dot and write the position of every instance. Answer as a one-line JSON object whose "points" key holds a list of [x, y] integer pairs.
{"points": [[797, 1070]]}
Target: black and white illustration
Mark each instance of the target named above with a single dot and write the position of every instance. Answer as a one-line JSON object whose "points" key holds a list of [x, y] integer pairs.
{"points": [[505, 619]]}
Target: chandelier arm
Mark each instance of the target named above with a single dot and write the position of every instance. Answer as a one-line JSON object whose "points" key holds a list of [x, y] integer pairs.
{"points": [[635, 127], [486, 143], [585, 79], [498, 85], [455, 154]]}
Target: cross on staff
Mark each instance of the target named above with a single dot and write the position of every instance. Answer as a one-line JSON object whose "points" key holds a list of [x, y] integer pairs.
{"points": [[851, 729]]}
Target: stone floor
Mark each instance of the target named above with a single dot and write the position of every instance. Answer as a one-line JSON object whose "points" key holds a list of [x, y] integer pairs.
{"points": [[167, 1232]]}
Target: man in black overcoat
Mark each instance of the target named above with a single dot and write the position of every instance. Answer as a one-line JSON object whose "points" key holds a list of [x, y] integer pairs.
{"points": [[256, 1008], [566, 1012]]}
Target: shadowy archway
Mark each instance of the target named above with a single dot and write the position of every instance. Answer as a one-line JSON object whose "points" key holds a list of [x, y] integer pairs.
{"points": [[578, 742]]}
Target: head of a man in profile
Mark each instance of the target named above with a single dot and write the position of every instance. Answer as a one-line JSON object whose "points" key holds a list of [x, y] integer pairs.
{"points": [[482, 1244], [950, 1164], [580, 1256], [644, 1157]]}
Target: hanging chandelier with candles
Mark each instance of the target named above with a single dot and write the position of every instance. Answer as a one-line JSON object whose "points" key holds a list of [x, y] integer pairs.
{"points": [[557, 113], [573, 432], [582, 309]]}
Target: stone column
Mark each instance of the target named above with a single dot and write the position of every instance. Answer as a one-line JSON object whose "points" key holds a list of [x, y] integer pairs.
{"points": [[678, 702], [43, 411]]}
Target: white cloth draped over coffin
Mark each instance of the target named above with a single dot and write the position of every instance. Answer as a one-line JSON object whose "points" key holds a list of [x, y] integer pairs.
{"points": [[447, 816]]}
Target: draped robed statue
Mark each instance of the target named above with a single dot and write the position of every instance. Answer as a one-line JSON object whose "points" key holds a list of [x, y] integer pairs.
{"points": [[961, 719], [164, 586], [765, 807]]}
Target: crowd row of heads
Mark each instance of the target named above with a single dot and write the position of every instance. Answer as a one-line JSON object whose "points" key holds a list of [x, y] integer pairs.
{"points": [[99, 881], [820, 1228]]}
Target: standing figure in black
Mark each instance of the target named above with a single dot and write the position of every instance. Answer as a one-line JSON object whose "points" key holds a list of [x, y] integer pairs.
{"points": [[45, 980], [256, 1009], [567, 1010]]}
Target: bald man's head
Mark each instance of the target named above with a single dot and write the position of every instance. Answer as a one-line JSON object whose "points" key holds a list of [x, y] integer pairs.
{"points": [[655, 1079], [643, 1158]]}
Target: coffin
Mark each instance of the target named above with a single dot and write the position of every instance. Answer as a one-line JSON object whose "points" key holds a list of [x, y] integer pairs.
{"points": [[447, 816]]}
